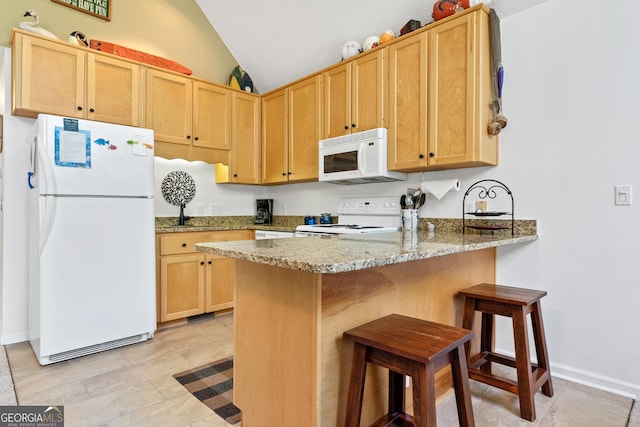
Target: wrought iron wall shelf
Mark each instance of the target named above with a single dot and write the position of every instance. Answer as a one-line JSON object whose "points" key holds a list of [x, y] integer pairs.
{"points": [[486, 189]]}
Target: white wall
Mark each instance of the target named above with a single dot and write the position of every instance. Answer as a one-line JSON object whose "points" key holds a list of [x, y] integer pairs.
{"points": [[292, 199], [571, 96], [14, 172]]}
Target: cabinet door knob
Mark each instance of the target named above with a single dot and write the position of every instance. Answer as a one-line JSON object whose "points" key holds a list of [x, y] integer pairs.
{"points": [[284, 174], [196, 138], [79, 108], [209, 262], [432, 154], [92, 110], [184, 245], [235, 175], [346, 127], [353, 125], [290, 173], [201, 262], [421, 156]]}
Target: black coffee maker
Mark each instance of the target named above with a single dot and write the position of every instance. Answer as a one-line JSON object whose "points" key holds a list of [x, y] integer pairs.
{"points": [[264, 211]]}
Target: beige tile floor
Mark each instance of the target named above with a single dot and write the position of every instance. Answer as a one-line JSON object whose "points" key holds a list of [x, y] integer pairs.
{"points": [[133, 386]]}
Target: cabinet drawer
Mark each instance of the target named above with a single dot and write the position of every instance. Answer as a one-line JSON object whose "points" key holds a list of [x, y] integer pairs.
{"points": [[183, 243]]}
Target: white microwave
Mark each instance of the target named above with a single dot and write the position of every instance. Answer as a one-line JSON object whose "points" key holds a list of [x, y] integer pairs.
{"points": [[358, 158]]}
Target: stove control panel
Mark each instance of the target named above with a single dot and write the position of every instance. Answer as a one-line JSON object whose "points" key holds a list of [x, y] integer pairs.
{"points": [[369, 206]]}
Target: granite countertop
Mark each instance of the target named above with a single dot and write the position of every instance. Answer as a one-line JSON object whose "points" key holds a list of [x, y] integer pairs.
{"points": [[160, 229], [343, 253], [222, 223]]}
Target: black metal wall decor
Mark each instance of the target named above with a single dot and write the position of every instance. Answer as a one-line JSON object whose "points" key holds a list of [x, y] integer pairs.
{"points": [[486, 189], [178, 188]]}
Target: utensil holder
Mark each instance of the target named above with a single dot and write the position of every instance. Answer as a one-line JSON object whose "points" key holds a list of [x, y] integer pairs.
{"points": [[410, 219]]}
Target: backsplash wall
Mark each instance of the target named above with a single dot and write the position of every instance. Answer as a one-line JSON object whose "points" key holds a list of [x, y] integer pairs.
{"points": [[300, 199]]}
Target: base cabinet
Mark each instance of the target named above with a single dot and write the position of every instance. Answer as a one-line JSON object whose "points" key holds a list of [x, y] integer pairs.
{"points": [[189, 282], [220, 277], [182, 280]]}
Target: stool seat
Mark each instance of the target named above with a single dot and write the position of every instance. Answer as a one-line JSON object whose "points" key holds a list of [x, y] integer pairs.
{"points": [[517, 303], [414, 347]]}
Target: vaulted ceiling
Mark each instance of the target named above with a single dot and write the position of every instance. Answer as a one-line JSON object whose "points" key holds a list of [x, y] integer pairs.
{"points": [[279, 41]]}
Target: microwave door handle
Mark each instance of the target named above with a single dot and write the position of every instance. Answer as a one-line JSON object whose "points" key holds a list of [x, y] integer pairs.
{"points": [[360, 161]]}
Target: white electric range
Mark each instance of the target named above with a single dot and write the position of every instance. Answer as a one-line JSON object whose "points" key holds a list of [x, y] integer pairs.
{"points": [[359, 215]]}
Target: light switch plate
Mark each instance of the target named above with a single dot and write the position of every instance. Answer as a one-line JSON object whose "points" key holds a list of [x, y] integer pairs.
{"points": [[623, 195]]}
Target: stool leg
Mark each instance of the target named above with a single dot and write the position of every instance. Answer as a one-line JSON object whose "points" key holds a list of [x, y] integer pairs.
{"points": [[461, 387], [486, 339], [541, 347], [468, 318], [356, 385], [424, 395], [396, 393], [523, 363]]}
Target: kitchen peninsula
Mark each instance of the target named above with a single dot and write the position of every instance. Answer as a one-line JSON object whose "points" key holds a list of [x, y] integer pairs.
{"points": [[295, 297]]}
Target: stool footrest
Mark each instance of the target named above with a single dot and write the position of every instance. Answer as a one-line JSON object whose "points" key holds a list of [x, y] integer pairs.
{"points": [[397, 419], [539, 375], [480, 359]]}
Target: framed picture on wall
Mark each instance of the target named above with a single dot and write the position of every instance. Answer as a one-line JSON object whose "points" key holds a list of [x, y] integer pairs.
{"points": [[98, 8]]}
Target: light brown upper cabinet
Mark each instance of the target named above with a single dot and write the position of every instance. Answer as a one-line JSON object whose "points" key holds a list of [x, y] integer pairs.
{"points": [[54, 77], [191, 119], [440, 95], [355, 94], [244, 165], [291, 128]]}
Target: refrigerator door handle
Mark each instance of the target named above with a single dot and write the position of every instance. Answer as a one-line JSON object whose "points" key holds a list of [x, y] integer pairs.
{"points": [[48, 216], [45, 163]]}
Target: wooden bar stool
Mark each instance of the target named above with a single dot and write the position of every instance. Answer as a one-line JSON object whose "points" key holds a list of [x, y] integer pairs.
{"points": [[516, 303], [414, 347]]}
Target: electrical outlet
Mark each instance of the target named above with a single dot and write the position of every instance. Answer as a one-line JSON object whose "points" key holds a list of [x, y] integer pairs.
{"points": [[215, 208], [481, 205], [469, 206]]}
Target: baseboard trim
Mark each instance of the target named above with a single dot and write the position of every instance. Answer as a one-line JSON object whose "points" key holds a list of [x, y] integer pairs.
{"points": [[14, 338], [591, 379], [601, 382]]}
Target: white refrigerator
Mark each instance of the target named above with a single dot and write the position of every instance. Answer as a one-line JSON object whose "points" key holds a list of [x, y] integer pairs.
{"points": [[91, 245]]}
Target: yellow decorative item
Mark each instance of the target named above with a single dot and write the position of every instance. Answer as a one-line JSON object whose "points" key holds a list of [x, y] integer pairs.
{"points": [[239, 79], [387, 36]]}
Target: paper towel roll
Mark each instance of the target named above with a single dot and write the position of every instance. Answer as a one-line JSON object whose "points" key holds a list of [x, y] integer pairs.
{"points": [[440, 187]]}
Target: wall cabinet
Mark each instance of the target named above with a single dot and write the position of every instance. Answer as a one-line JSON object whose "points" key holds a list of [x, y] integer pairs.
{"points": [[191, 283], [191, 119], [355, 95], [431, 89], [439, 97], [54, 77], [244, 165], [291, 128]]}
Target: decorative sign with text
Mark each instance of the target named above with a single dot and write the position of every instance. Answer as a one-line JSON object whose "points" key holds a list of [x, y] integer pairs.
{"points": [[99, 8]]}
